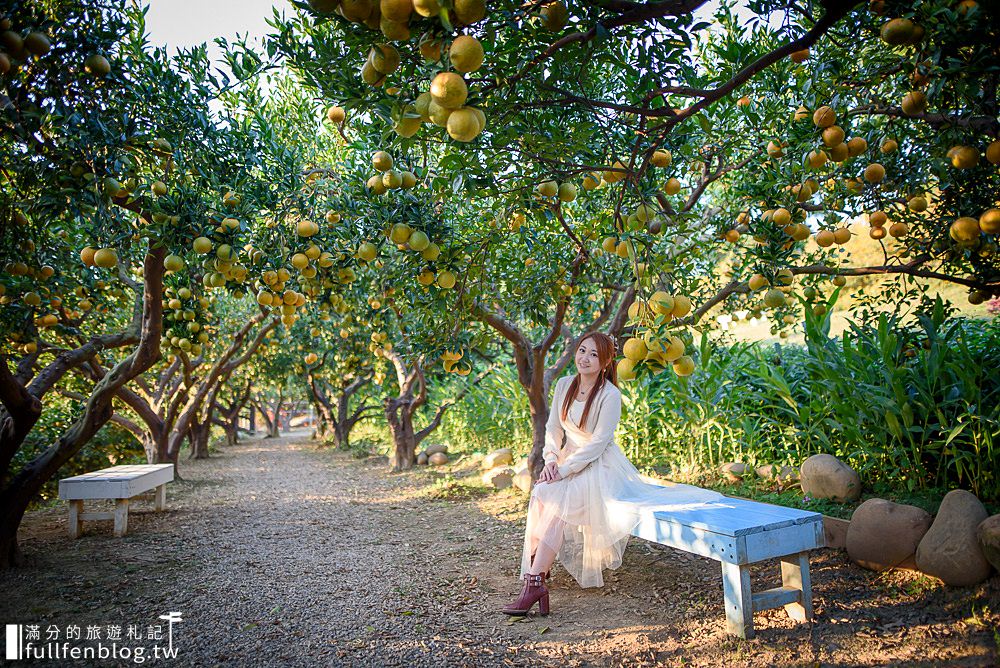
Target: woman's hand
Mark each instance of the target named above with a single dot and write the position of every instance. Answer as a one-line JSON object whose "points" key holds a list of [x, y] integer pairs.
{"points": [[550, 473]]}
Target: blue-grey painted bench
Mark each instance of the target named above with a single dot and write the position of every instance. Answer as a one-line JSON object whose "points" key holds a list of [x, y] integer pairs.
{"points": [[738, 533]]}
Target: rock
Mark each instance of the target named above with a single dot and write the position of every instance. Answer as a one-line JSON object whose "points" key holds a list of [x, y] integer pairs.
{"points": [[788, 474], [437, 459], [422, 459], [988, 534], [522, 478], [835, 532], [436, 448], [733, 471], [826, 477], [767, 471], [785, 474], [500, 477], [885, 535], [950, 550], [501, 457]]}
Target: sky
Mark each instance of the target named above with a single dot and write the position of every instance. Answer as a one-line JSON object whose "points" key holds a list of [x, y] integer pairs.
{"points": [[185, 23]]}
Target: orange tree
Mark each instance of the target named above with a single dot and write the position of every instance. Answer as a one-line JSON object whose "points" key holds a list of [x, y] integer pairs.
{"points": [[335, 379], [118, 182], [177, 401], [328, 358], [382, 317], [686, 143], [898, 131]]}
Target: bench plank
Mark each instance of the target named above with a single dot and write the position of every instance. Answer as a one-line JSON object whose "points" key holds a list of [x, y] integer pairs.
{"points": [[674, 534], [117, 482], [737, 517], [776, 543], [772, 598]]}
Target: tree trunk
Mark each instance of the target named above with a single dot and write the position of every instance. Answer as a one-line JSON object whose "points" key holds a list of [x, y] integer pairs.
{"points": [[342, 434], [154, 442], [267, 419], [334, 419], [325, 424], [403, 437], [539, 408], [272, 417], [404, 454], [17, 496], [231, 427], [530, 358], [198, 438], [13, 503], [15, 426]]}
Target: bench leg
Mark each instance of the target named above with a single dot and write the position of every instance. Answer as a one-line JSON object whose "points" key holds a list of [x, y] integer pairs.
{"points": [[161, 497], [75, 523], [736, 591], [795, 574], [121, 517]]}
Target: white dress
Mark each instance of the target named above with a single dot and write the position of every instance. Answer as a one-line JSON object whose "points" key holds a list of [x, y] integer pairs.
{"points": [[600, 496]]}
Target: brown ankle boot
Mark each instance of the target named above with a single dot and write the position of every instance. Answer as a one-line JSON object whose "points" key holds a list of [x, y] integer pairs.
{"points": [[534, 591]]}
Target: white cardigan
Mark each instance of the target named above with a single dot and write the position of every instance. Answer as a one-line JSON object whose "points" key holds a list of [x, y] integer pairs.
{"points": [[601, 423]]}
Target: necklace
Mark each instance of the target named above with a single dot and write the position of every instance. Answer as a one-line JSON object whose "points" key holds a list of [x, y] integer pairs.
{"points": [[583, 392]]}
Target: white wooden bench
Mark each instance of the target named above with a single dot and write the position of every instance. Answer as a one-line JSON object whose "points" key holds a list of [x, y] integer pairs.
{"points": [[120, 483], [738, 533]]}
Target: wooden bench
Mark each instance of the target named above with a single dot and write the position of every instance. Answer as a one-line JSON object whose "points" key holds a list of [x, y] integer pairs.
{"points": [[738, 533], [120, 483]]}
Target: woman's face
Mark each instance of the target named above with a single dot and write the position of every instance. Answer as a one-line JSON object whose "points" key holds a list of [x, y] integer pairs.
{"points": [[587, 361]]}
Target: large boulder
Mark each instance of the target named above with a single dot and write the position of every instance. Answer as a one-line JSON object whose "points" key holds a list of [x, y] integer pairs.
{"points": [[422, 459], [988, 534], [733, 471], [884, 535], [500, 477], [437, 459], [950, 550], [436, 448], [501, 457], [826, 477], [835, 532]]}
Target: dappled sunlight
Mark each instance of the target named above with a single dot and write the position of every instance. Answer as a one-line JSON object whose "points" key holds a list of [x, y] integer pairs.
{"points": [[315, 524], [337, 283]]}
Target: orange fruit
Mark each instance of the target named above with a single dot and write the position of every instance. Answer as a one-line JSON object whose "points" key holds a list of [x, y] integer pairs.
{"points": [[824, 117]]}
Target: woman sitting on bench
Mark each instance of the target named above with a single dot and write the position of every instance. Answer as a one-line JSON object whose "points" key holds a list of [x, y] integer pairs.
{"points": [[572, 514]]}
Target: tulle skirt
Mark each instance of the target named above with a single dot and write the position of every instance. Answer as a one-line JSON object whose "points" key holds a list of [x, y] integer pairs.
{"points": [[587, 518]]}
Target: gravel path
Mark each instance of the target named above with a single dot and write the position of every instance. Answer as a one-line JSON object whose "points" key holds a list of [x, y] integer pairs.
{"points": [[279, 553], [276, 553]]}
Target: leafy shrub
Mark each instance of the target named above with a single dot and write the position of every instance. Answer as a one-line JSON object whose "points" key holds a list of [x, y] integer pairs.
{"points": [[911, 406]]}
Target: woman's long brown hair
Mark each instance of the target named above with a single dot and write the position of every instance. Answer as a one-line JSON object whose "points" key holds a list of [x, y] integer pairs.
{"points": [[609, 372]]}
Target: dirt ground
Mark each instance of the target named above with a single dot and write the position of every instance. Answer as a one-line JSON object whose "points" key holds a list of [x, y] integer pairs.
{"points": [[277, 552]]}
